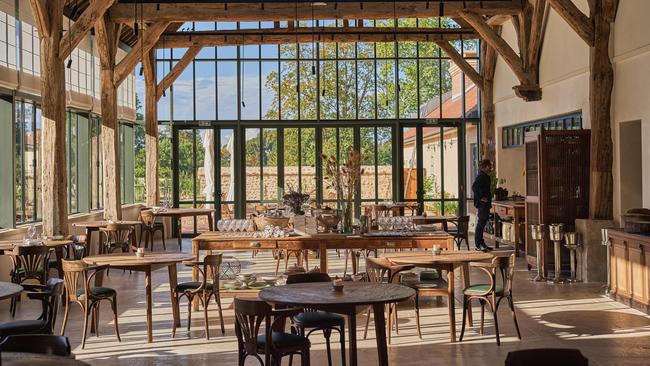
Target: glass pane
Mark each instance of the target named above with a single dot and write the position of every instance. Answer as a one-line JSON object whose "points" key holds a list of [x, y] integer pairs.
{"points": [[289, 90], [386, 88], [330, 150], [270, 165], [270, 94], [165, 162], [407, 88], [19, 166], [328, 107], [291, 159], [368, 179], [308, 156], [206, 90], [253, 172], [385, 163], [430, 89], [450, 156], [250, 90], [410, 164], [366, 89], [183, 95], [451, 89], [31, 138], [227, 90], [227, 146], [347, 90], [186, 165], [308, 90], [432, 162]]}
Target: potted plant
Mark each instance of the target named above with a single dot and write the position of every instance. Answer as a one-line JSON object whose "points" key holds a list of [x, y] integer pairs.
{"points": [[295, 199], [343, 179]]}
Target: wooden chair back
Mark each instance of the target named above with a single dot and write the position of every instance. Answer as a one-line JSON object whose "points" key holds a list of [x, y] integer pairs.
{"points": [[212, 267], [33, 261], [463, 226], [249, 315], [308, 277], [37, 343], [506, 266], [73, 272], [116, 235], [378, 270], [147, 218]]}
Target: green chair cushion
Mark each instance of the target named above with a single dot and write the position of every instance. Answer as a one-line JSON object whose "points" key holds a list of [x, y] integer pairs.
{"points": [[481, 289], [98, 291], [282, 340], [318, 319], [183, 286]]}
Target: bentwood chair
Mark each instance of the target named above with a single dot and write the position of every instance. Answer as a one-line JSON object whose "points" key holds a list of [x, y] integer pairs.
{"points": [[116, 237], [380, 270], [273, 343], [301, 255], [313, 320], [149, 228], [87, 297], [492, 293], [460, 232], [29, 264], [45, 344], [50, 296], [203, 290]]}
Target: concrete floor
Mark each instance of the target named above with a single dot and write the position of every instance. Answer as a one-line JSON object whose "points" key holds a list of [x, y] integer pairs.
{"points": [[570, 316]]}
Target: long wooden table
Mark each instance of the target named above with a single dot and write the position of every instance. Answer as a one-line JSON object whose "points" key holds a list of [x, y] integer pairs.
{"points": [[93, 226], [448, 260], [178, 214], [318, 242]]}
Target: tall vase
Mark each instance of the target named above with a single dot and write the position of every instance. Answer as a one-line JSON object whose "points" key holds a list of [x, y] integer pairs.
{"points": [[346, 213]]}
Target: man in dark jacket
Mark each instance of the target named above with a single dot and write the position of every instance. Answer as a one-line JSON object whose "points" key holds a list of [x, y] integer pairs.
{"points": [[483, 202]]}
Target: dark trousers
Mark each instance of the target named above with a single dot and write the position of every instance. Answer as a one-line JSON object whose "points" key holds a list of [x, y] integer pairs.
{"points": [[482, 217]]}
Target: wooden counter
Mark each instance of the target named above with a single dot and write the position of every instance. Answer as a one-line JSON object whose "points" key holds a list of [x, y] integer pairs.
{"points": [[629, 271], [319, 242], [516, 211]]}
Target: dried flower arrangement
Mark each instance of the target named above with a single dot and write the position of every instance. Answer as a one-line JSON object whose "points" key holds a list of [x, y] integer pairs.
{"points": [[343, 179], [295, 199]]}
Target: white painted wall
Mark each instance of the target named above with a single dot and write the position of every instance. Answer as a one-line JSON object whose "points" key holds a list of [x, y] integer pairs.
{"points": [[564, 79]]}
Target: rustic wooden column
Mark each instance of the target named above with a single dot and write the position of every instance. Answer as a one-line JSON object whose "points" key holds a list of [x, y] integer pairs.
{"points": [[488, 129], [151, 128], [601, 200], [54, 179], [107, 38]]}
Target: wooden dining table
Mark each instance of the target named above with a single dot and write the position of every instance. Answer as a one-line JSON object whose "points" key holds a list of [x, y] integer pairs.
{"points": [[150, 262], [447, 260], [58, 246], [429, 220], [177, 214], [321, 296], [93, 226], [9, 290]]}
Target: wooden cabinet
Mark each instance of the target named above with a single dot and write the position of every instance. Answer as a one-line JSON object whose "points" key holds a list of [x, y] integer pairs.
{"points": [[513, 211], [557, 184], [629, 272]]}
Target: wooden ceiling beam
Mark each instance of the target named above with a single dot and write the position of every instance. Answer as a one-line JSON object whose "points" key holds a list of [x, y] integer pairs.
{"points": [[83, 25], [460, 61], [147, 41], [308, 35], [537, 31], [576, 19], [39, 9], [274, 11], [175, 72]]}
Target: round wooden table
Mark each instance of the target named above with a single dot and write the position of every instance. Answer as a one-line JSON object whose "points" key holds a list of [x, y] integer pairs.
{"points": [[178, 214], [9, 290], [321, 296], [447, 260], [35, 359], [56, 245], [150, 262]]}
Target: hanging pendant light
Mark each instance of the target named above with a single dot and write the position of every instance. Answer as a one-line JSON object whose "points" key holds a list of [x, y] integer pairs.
{"points": [[135, 19]]}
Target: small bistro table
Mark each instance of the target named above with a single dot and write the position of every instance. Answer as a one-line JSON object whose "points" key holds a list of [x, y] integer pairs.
{"points": [[322, 297], [447, 260], [37, 359], [9, 290], [56, 245], [92, 226], [178, 213], [150, 262]]}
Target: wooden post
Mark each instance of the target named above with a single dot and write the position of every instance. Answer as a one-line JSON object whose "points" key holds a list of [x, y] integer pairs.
{"points": [[54, 183], [107, 35], [488, 133], [151, 128], [601, 189]]}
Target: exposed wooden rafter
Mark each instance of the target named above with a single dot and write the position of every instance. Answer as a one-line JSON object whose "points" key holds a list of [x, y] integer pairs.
{"points": [[148, 39], [576, 19], [274, 11], [488, 129], [460, 61], [175, 72], [83, 25], [307, 35], [39, 9]]}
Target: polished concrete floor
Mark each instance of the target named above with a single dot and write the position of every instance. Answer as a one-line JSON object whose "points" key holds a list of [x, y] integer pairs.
{"points": [[569, 316]]}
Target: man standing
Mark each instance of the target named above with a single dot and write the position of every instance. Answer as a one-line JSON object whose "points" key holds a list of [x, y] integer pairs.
{"points": [[483, 202]]}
